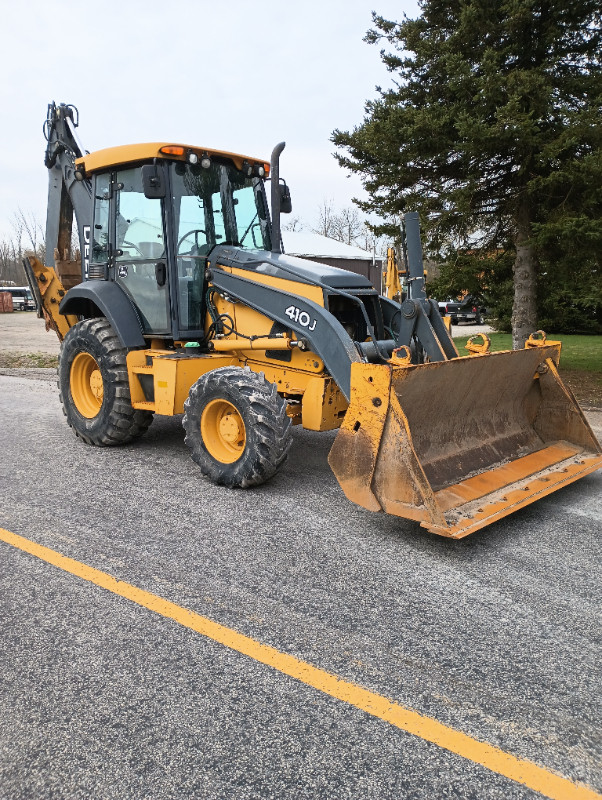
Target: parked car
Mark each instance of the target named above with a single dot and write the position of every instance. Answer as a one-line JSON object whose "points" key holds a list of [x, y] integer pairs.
{"points": [[22, 297], [466, 310]]}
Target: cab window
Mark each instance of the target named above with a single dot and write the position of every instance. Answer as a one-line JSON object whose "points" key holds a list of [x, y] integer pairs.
{"points": [[139, 230], [140, 257], [100, 238]]}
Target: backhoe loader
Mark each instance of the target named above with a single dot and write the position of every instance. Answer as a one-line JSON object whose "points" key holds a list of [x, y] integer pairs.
{"points": [[184, 302]]}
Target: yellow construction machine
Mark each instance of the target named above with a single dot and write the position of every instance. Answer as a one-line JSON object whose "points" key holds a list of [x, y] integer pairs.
{"points": [[392, 277], [183, 302]]}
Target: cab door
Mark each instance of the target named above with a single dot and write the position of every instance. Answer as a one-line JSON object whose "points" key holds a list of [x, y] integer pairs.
{"points": [[140, 262]]}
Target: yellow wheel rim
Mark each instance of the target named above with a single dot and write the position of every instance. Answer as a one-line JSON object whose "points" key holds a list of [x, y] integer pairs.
{"points": [[223, 431], [87, 389]]}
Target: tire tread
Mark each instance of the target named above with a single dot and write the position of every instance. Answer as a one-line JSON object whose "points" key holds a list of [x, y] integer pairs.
{"points": [[271, 430], [119, 422]]}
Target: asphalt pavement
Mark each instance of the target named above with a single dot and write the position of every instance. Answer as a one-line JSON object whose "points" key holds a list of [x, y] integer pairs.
{"points": [[496, 635]]}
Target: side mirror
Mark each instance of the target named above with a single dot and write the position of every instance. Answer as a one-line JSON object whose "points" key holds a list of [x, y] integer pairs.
{"points": [[286, 204], [153, 182]]}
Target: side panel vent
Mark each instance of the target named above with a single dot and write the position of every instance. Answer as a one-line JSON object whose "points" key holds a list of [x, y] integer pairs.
{"points": [[97, 272]]}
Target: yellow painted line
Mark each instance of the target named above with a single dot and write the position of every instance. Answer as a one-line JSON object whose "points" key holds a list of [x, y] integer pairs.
{"points": [[542, 780]]}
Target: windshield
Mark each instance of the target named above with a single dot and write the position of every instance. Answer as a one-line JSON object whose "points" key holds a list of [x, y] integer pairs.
{"points": [[218, 205], [213, 206]]}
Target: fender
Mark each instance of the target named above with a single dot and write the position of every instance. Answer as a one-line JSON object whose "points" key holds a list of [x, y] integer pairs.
{"points": [[113, 303]]}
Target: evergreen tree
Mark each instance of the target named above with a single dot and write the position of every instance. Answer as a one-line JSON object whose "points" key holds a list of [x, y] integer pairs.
{"points": [[492, 131]]}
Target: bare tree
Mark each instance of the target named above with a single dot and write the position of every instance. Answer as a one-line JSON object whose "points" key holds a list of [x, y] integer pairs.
{"points": [[294, 224], [348, 226], [28, 235], [377, 245], [327, 223], [11, 268], [8, 272]]}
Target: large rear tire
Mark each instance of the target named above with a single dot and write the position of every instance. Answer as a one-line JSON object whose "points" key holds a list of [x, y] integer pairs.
{"points": [[94, 386], [236, 427]]}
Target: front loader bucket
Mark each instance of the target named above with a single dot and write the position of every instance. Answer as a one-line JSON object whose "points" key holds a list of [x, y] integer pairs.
{"points": [[459, 444]]}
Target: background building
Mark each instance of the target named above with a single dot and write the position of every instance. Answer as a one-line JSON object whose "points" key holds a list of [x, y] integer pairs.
{"points": [[319, 248]]}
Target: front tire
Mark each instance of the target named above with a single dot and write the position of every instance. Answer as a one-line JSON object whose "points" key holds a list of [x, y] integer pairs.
{"points": [[94, 386], [236, 427]]}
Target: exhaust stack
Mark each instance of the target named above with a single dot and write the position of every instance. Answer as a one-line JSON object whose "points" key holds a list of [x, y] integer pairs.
{"points": [[275, 196]]}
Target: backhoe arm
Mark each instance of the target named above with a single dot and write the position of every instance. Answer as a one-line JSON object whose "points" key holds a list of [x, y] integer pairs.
{"points": [[68, 191]]}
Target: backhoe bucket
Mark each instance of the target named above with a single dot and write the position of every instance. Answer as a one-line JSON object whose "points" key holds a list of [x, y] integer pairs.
{"points": [[459, 444]]}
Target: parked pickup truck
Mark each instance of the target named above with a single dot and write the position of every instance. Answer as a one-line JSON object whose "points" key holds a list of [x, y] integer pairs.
{"points": [[466, 310]]}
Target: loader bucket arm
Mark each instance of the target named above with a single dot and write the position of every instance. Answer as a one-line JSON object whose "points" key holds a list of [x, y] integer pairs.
{"points": [[459, 444], [421, 327]]}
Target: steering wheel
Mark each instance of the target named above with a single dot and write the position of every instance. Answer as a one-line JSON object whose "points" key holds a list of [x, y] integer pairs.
{"points": [[186, 235]]}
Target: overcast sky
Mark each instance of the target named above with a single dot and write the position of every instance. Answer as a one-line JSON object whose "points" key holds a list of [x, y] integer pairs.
{"points": [[236, 75]]}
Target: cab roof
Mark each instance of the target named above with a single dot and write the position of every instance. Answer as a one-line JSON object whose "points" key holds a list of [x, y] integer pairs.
{"points": [[132, 153]]}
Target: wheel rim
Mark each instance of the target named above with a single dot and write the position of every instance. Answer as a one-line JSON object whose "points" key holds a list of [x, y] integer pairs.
{"points": [[223, 431], [87, 388]]}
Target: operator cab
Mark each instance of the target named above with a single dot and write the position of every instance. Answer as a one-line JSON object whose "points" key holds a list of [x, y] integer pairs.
{"points": [[154, 226], [160, 212]]}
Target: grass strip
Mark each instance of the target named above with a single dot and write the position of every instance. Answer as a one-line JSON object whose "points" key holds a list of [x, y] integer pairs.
{"points": [[28, 360], [580, 362]]}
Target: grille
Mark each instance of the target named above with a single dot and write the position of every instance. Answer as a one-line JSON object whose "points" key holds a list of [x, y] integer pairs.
{"points": [[97, 272]]}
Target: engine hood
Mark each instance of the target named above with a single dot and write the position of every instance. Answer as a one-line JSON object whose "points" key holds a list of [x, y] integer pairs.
{"points": [[288, 267]]}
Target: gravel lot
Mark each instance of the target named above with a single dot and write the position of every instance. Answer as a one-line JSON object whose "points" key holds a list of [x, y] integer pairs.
{"points": [[24, 332]]}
